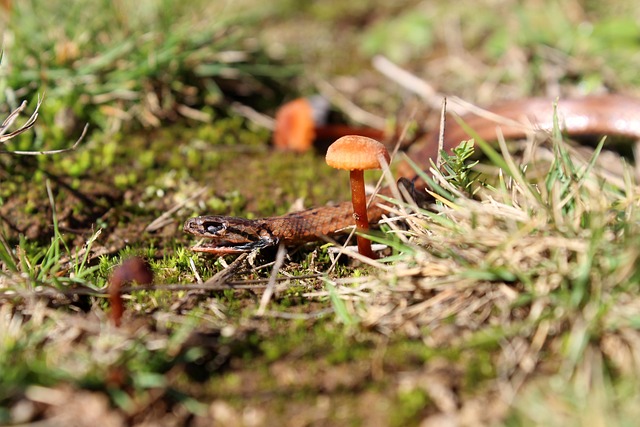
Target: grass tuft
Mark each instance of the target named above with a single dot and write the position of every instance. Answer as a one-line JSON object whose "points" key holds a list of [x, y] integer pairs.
{"points": [[542, 266]]}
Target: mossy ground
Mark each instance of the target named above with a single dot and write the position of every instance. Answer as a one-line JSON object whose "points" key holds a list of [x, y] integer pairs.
{"points": [[140, 75]]}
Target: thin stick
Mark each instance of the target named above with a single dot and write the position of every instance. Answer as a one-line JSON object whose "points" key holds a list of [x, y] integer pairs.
{"points": [[221, 276], [266, 296], [407, 80], [256, 117], [443, 122], [40, 153], [354, 112], [433, 98]]}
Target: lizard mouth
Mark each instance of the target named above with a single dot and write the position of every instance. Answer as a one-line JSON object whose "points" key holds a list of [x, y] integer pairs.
{"points": [[225, 247]]}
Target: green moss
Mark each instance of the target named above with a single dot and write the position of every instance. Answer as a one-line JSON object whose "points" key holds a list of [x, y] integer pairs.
{"points": [[408, 407]]}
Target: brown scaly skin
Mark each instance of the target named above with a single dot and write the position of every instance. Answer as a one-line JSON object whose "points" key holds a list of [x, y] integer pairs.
{"points": [[597, 115]]}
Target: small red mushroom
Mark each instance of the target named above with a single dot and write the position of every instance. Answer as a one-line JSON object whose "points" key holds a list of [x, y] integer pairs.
{"points": [[131, 270], [357, 153]]}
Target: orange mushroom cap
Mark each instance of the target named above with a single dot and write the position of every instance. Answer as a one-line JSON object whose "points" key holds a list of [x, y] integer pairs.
{"points": [[295, 128], [353, 152]]}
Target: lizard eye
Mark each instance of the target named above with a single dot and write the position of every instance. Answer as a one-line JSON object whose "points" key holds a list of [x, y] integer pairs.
{"points": [[215, 227]]}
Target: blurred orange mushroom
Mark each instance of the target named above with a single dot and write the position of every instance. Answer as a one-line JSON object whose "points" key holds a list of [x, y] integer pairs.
{"points": [[304, 120], [295, 128]]}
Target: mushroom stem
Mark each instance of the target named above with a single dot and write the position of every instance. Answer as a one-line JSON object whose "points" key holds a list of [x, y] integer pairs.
{"points": [[359, 200]]}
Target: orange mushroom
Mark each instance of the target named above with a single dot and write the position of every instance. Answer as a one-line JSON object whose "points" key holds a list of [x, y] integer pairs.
{"points": [[357, 153], [296, 122], [301, 121]]}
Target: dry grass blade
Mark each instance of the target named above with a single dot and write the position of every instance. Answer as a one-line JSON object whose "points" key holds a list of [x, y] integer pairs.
{"points": [[354, 112], [49, 152], [266, 296], [4, 136], [8, 122]]}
